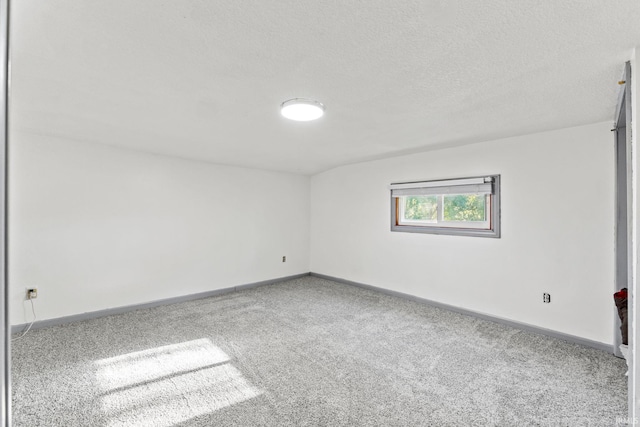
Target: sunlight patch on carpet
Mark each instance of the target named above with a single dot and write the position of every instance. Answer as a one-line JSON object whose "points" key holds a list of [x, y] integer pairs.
{"points": [[170, 384], [148, 365]]}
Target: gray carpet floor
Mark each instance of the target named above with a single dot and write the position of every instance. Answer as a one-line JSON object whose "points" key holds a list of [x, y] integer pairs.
{"points": [[308, 352]]}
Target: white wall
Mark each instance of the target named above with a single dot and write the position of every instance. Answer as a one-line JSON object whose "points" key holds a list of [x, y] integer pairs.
{"points": [[96, 227], [557, 231]]}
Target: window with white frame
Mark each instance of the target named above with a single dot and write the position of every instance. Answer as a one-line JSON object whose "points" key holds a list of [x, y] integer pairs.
{"points": [[465, 206]]}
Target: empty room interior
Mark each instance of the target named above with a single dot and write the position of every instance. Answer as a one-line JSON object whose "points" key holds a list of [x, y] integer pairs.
{"points": [[381, 213]]}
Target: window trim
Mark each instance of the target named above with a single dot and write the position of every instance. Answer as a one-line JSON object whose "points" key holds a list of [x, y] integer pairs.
{"points": [[449, 228]]}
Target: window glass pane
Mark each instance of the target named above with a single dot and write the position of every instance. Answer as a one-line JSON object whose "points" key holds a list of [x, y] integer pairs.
{"points": [[464, 207], [421, 208]]}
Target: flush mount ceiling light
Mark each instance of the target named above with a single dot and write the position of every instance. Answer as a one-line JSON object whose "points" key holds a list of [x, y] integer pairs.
{"points": [[302, 109]]}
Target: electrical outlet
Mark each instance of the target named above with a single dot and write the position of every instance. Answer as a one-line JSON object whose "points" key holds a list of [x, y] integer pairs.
{"points": [[284, 259], [32, 293], [546, 298]]}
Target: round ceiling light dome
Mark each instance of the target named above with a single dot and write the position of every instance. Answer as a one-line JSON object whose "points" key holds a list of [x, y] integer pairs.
{"points": [[302, 109]]}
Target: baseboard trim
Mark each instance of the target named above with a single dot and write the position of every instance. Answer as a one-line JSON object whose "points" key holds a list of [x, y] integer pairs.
{"points": [[519, 325], [127, 308]]}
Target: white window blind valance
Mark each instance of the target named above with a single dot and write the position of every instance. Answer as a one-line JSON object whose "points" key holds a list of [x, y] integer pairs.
{"points": [[482, 185]]}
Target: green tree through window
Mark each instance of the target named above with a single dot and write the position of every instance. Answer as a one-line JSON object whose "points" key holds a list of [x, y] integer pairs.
{"points": [[422, 208], [464, 207]]}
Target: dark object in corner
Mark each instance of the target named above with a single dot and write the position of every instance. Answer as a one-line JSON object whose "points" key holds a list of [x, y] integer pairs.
{"points": [[620, 299]]}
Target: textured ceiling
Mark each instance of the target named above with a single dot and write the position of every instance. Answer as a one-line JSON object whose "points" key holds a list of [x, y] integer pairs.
{"points": [[203, 79]]}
